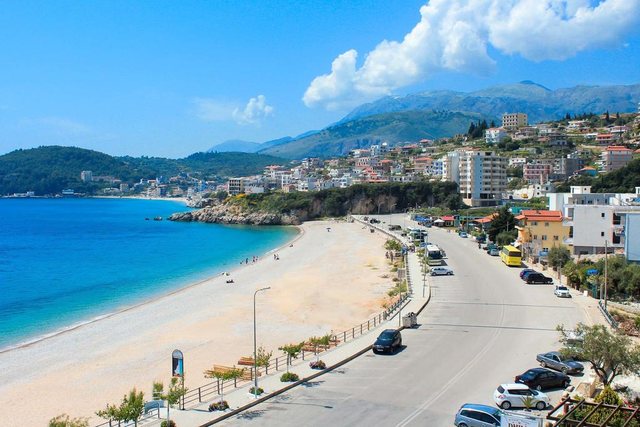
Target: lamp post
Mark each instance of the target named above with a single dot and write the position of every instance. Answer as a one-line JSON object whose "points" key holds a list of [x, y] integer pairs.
{"points": [[255, 350]]}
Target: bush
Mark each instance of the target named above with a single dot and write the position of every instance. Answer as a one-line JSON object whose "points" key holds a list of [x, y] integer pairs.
{"points": [[318, 365], [171, 423], [252, 390], [65, 420], [289, 377], [219, 406]]}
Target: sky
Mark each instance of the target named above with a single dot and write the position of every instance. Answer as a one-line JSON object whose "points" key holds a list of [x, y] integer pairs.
{"points": [[166, 78]]}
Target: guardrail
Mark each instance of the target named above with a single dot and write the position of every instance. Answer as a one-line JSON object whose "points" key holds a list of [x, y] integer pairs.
{"points": [[607, 315]]}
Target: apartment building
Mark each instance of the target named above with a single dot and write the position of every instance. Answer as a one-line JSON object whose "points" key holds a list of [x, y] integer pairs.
{"points": [[540, 230], [514, 120], [451, 167], [235, 186], [483, 177], [615, 157], [537, 171], [495, 135]]}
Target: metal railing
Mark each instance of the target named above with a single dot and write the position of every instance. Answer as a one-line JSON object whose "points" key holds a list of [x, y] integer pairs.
{"points": [[607, 315], [153, 414], [200, 394]]}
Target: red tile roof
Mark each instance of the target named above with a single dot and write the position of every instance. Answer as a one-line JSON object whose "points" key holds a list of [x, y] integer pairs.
{"points": [[542, 215], [617, 148], [447, 218]]}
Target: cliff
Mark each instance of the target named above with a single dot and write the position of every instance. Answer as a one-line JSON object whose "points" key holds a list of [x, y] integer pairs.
{"points": [[224, 213]]}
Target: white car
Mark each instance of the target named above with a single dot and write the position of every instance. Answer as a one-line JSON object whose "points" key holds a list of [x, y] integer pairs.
{"points": [[511, 396], [441, 271], [562, 292]]}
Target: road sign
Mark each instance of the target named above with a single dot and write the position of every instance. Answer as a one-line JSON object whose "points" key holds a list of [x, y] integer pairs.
{"points": [[592, 272], [177, 364]]}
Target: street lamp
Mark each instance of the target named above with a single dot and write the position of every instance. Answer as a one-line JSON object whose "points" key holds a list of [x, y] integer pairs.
{"points": [[255, 351]]}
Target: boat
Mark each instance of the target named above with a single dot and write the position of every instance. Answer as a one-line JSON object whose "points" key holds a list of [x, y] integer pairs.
{"points": [[157, 218]]}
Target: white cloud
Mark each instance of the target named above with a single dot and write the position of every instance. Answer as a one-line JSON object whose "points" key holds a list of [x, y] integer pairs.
{"points": [[254, 112], [210, 110], [454, 35], [58, 126]]}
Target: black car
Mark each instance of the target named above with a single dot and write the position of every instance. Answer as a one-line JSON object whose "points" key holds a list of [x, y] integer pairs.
{"points": [[542, 379], [537, 278], [388, 341]]}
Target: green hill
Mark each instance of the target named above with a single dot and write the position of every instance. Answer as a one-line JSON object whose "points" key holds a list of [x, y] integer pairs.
{"points": [[50, 169], [339, 139]]}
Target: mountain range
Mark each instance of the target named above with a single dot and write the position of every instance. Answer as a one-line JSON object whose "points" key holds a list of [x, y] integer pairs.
{"points": [[444, 113]]}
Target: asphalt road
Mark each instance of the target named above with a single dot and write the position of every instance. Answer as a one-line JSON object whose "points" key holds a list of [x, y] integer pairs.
{"points": [[482, 327]]}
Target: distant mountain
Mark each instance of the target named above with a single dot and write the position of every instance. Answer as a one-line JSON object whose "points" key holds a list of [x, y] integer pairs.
{"points": [[50, 169], [236, 145], [339, 139], [540, 103]]}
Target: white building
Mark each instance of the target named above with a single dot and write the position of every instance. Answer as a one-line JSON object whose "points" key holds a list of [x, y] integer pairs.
{"points": [[615, 157], [495, 135], [86, 176], [437, 168], [483, 178], [517, 162], [451, 167]]}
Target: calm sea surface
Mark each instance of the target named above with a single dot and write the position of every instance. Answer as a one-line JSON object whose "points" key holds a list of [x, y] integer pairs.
{"points": [[66, 261]]}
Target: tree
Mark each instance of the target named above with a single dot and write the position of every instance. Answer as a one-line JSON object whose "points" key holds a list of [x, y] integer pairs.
{"points": [[393, 245], [558, 256], [226, 375], [130, 409], [506, 237], [65, 421], [611, 354], [263, 357], [504, 221], [292, 351]]}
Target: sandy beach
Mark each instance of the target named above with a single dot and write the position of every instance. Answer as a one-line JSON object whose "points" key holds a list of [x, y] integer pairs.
{"points": [[327, 280]]}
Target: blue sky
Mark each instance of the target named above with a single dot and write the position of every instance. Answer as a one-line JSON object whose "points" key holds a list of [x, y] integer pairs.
{"points": [[166, 78]]}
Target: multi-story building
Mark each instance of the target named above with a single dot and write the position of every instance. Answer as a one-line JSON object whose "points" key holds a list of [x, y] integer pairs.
{"points": [[537, 171], [451, 167], [422, 165], [437, 167], [540, 230], [495, 135], [483, 177], [595, 220], [514, 120], [565, 167], [615, 157], [517, 162], [604, 138], [235, 186], [86, 176]]}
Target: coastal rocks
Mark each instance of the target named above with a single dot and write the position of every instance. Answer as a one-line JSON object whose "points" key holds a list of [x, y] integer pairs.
{"points": [[224, 214]]}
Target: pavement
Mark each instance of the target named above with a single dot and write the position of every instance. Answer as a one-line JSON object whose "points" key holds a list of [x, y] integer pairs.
{"points": [[481, 328]]}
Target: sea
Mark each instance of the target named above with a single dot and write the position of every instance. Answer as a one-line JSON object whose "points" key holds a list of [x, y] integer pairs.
{"points": [[64, 262]]}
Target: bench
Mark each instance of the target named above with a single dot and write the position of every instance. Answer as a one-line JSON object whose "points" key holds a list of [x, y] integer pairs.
{"points": [[246, 373], [245, 361]]}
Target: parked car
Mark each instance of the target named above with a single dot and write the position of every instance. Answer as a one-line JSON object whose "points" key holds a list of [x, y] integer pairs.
{"points": [[494, 252], [475, 415], [542, 379], [389, 340], [374, 221], [537, 278], [510, 395], [554, 360], [562, 292], [463, 234], [525, 271], [441, 271]]}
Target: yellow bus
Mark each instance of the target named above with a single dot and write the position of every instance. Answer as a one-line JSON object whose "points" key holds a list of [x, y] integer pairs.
{"points": [[511, 256]]}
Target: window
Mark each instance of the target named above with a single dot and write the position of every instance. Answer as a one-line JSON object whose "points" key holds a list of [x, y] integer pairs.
{"points": [[535, 237], [544, 237], [555, 238], [602, 234], [534, 222], [546, 224], [602, 214]]}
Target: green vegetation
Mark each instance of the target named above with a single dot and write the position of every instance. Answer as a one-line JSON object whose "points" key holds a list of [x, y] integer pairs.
{"points": [[49, 170], [392, 127], [65, 421], [623, 180], [291, 351], [263, 357], [610, 354], [289, 377], [623, 277], [171, 423], [505, 224], [393, 245], [357, 199], [558, 256], [229, 374], [130, 409]]}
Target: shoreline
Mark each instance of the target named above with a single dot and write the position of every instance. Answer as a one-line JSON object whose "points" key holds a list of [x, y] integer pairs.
{"points": [[126, 308], [333, 277]]}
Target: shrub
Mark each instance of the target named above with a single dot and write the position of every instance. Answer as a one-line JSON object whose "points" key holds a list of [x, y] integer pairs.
{"points": [[65, 421], [252, 390], [171, 423], [319, 364], [289, 377], [219, 406]]}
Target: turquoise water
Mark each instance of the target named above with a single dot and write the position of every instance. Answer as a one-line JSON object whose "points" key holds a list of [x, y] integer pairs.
{"points": [[65, 261]]}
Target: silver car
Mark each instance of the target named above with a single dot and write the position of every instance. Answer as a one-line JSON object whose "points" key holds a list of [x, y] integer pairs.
{"points": [[554, 360], [475, 415]]}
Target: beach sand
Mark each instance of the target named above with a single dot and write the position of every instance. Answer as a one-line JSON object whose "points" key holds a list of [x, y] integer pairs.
{"points": [[327, 281]]}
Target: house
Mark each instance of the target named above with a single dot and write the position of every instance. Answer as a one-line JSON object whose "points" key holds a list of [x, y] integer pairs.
{"points": [[615, 157], [495, 135], [540, 230]]}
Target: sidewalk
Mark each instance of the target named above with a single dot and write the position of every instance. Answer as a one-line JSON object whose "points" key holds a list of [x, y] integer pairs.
{"points": [[239, 397]]}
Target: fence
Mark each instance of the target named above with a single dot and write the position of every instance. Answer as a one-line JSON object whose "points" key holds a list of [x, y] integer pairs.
{"points": [[607, 315], [153, 414]]}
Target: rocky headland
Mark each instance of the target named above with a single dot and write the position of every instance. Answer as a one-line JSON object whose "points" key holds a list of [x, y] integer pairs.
{"points": [[224, 213]]}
